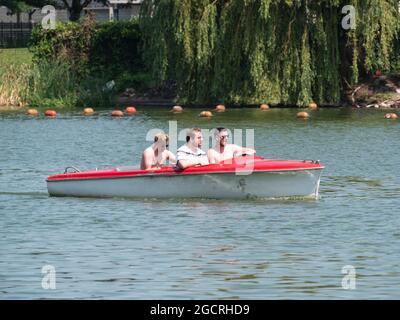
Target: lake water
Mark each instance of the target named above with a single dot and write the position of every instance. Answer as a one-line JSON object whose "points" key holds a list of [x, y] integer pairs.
{"points": [[202, 249]]}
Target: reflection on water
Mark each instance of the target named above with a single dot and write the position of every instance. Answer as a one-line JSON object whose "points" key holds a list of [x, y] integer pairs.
{"points": [[204, 249]]}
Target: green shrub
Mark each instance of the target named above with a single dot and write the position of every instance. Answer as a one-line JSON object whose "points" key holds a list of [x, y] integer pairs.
{"points": [[96, 93], [106, 49], [68, 43], [116, 48], [52, 84], [55, 85], [139, 81], [74, 61], [14, 84]]}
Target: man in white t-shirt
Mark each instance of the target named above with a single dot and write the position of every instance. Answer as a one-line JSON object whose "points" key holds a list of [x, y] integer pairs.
{"points": [[223, 150], [190, 154]]}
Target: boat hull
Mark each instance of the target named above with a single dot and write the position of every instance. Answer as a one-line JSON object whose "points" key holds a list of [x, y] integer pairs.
{"points": [[223, 185]]}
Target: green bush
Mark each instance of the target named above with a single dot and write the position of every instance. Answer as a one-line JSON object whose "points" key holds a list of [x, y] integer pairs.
{"points": [[52, 85], [85, 57], [68, 43], [103, 49], [116, 48], [139, 81]]}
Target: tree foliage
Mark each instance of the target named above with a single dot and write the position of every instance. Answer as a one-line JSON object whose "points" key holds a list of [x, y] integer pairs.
{"points": [[18, 6], [279, 51]]}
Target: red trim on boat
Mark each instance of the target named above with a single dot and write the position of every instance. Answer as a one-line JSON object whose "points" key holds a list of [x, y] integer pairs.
{"points": [[233, 165]]}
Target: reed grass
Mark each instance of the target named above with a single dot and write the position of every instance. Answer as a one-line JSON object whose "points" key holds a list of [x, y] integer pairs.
{"points": [[51, 85], [14, 84]]}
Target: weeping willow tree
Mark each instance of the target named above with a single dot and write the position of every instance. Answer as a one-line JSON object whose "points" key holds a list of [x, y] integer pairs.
{"points": [[278, 51]]}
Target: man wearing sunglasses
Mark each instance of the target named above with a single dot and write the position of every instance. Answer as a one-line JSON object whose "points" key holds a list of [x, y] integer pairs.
{"points": [[155, 155], [223, 150]]}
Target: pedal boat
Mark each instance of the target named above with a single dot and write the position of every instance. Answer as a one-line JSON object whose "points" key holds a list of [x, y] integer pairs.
{"points": [[241, 178]]}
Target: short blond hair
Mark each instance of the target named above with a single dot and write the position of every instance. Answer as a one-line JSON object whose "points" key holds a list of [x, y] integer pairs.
{"points": [[191, 133], [161, 137]]}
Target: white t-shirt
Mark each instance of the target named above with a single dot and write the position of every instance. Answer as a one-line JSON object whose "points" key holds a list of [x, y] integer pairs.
{"points": [[185, 153]]}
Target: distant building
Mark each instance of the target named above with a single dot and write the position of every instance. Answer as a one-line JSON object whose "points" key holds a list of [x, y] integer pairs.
{"points": [[115, 10]]}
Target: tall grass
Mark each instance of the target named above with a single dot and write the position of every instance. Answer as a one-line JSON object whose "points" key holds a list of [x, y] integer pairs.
{"points": [[14, 84], [51, 85]]}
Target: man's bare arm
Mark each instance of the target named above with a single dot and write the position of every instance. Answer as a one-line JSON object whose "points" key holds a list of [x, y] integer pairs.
{"points": [[211, 156], [171, 157], [240, 150], [183, 164]]}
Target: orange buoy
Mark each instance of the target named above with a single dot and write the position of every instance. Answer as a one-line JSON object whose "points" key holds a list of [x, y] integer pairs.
{"points": [[117, 113], [312, 106], [391, 116], [303, 115], [264, 107], [176, 109], [206, 114], [50, 113], [130, 110], [88, 111], [220, 108], [32, 112]]}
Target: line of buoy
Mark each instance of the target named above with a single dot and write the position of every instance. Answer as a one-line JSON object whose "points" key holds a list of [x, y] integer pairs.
{"points": [[178, 109]]}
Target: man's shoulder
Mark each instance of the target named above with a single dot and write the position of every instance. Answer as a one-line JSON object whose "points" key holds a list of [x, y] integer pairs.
{"points": [[212, 151], [233, 147], [184, 148], [148, 150]]}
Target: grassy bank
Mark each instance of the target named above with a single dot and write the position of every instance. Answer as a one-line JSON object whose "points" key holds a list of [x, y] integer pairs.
{"points": [[46, 85], [14, 66], [16, 56], [13, 80]]}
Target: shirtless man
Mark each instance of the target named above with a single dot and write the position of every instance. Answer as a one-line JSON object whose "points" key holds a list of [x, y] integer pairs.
{"points": [[190, 154], [155, 155], [223, 150]]}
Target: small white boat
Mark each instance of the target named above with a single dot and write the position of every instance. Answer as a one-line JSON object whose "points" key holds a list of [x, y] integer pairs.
{"points": [[243, 177]]}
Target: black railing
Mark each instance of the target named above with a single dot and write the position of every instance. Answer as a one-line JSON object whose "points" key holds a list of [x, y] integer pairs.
{"points": [[15, 34]]}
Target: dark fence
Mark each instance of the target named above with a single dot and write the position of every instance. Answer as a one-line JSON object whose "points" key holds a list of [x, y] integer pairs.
{"points": [[15, 35]]}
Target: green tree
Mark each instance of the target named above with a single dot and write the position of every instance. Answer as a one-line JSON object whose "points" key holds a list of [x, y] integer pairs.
{"points": [[18, 6], [279, 51], [26, 6]]}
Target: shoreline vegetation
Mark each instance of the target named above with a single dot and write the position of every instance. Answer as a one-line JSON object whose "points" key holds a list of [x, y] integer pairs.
{"points": [[191, 57]]}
